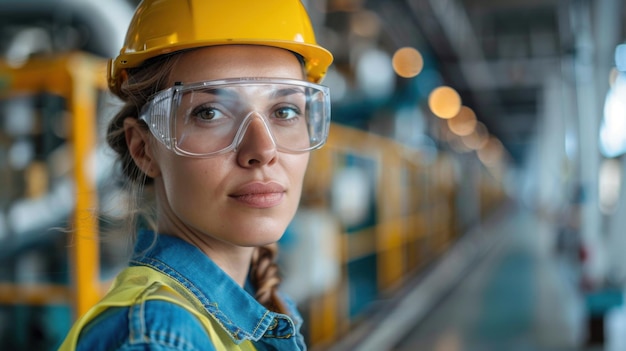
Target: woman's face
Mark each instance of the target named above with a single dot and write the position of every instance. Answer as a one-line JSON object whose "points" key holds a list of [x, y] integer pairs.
{"points": [[245, 197]]}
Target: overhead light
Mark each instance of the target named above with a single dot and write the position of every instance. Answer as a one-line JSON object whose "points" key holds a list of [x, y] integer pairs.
{"points": [[365, 23], [407, 62], [444, 102], [464, 123]]}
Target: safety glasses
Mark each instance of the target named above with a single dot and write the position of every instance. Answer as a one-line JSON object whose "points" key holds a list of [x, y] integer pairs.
{"points": [[210, 118]]}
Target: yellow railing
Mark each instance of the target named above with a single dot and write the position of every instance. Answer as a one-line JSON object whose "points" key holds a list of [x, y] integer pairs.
{"points": [[414, 211], [77, 77]]}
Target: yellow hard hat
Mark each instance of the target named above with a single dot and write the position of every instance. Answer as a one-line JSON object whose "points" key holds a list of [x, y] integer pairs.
{"points": [[164, 26]]}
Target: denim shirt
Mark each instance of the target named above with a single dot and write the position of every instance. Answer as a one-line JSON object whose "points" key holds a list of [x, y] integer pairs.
{"points": [[160, 325]]}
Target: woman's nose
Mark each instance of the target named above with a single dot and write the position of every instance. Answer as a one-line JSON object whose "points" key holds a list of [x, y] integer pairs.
{"points": [[256, 146]]}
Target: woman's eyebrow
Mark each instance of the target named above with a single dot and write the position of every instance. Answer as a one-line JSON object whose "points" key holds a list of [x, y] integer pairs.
{"points": [[222, 92], [231, 94], [286, 91]]}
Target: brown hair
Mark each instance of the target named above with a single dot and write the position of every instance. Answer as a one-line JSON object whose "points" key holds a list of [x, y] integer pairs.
{"points": [[142, 83]]}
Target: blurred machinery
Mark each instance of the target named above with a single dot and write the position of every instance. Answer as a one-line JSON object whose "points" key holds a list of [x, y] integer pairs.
{"points": [[51, 103], [376, 210]]}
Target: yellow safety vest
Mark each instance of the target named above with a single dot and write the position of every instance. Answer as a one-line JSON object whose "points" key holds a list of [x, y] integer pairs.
{"points": [[135, 285]]}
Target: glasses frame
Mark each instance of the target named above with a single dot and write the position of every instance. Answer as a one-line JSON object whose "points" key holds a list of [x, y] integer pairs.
{"points": [[158, 113]]}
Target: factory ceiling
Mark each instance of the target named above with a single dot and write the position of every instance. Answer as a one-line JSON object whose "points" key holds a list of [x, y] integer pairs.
{"points": [[496, 54]]}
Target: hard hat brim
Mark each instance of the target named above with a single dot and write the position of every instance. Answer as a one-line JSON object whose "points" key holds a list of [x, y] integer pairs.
{"points": [[317, 59]]}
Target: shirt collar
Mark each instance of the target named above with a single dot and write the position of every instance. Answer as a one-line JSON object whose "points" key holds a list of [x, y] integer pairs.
{"points": [[220, 295]]}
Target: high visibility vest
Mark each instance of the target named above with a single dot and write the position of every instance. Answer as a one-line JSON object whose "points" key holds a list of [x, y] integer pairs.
{"points": [[134, 285]]}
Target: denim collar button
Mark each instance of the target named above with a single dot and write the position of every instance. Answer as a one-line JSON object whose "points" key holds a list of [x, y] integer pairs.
{"points": [[280, 328]]}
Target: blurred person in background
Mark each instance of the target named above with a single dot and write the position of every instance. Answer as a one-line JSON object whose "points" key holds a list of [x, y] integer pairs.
{"points": [[222, 106]]}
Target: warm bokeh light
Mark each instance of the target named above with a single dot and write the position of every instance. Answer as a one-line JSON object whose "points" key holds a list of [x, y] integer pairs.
{"points": [[407, 62], [492, 153], [449, 341], [444, 102], [464, 122], [478, 138], [365, 24]]}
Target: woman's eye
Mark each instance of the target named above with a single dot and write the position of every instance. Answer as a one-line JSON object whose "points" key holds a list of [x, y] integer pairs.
{"points": [[286, 113], [207, 113]]}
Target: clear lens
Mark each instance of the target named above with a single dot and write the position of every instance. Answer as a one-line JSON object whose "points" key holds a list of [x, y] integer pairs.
{"points": [[209, 118]]}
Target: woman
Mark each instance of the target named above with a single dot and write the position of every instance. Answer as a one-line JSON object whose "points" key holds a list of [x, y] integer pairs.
{"points": [[222, 108]]}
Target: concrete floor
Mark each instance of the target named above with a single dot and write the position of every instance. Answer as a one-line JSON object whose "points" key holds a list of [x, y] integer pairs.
{"points": [[518, 297], [502, 287]]}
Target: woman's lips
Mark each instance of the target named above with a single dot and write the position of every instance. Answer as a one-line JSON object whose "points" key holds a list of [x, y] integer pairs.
{"points": [[259, 195]]}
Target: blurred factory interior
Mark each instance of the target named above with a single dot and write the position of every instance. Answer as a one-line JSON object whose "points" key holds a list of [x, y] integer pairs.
{"points": [[470, 196]]}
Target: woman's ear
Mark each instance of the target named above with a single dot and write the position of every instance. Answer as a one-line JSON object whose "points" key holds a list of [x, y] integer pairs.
{"points": [[139, 146]]}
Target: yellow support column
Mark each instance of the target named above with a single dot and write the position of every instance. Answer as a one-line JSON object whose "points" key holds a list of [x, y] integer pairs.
{"points": [[85, 249], [76, 77]]}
